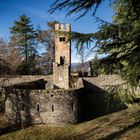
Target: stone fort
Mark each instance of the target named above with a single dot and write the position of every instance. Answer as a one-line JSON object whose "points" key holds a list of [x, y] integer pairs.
{"points": [[52, 99]]}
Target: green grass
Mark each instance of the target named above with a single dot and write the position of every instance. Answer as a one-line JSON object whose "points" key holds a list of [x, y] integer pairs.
{"points": [[118, 125]]}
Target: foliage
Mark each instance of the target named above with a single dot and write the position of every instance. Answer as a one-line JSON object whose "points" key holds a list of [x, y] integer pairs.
{"points": [[95, 66], [76, 6], [28, 68], [22, 36], [119, 40]]}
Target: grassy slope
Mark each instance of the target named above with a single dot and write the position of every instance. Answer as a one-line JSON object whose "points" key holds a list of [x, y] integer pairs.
{"points": [[121, 125]]}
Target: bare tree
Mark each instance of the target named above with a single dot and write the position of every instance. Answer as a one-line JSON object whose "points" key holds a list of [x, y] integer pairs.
{"points": [[46, 38], [9, 58]]}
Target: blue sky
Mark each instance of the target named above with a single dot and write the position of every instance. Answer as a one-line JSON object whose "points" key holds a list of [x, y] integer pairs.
{"points": [[10, 10]]}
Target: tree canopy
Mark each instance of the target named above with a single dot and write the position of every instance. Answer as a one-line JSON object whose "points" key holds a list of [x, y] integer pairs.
{"points": [[23, 38], [23, 35], [119, 39]]}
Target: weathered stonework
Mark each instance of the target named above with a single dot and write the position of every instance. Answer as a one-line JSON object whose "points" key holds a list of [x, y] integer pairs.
{"points": [[43, 106], [50, 100], [61, 66], [86, 101]]}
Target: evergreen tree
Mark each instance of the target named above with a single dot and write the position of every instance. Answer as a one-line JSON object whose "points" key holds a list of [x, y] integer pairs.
{"points": [[23, 35], [120, 39], [95, 66]]}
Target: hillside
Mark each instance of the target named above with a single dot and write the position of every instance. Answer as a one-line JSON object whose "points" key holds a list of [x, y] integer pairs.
{"points": [[124, 125]]}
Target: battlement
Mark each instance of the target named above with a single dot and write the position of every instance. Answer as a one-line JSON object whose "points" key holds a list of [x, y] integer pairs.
{"points": [[62, 27]]}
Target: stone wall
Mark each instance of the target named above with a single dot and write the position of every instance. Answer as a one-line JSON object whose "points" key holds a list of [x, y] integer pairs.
{"points": [[61, 66], [60, 106], [105, 80], [43, 106], [61, 77], [18, 79]]}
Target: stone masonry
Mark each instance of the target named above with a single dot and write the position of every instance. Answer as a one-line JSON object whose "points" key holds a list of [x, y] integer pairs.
{"points": [[61, 66], [43, 106]]}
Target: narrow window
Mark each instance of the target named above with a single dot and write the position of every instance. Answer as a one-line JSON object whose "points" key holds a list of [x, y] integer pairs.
{"points": [[60, 39], [52, 108], [64, 39], [72, 106], [38, 109], [62, 60]]}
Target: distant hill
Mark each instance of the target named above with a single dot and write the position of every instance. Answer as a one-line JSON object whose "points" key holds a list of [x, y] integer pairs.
{"points": [[74, 66]]}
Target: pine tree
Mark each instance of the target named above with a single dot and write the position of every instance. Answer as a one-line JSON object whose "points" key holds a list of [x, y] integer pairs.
{"points": [[119, 40], [22, 36]]}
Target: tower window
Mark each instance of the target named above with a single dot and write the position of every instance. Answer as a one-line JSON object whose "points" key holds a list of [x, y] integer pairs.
{"points": [[62, 60], [62, 39]]}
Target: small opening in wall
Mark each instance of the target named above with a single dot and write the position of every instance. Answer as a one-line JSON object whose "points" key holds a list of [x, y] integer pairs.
{"points": [[38, 109], [62, 60], [64, 39], [52, 108], [60, 39]]}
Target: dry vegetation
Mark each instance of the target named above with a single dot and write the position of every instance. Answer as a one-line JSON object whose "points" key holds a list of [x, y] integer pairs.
{"points": [[124, 125]]}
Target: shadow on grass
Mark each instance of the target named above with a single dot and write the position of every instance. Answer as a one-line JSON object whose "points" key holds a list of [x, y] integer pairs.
{"points": [[9, 129], [118, 134], [96, 102]]}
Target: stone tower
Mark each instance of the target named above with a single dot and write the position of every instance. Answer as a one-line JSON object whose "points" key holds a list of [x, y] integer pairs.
{"points": [[61, 66]]}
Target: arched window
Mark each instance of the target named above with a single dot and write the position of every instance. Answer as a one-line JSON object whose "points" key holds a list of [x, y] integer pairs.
{"points": [[62, 39]]}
